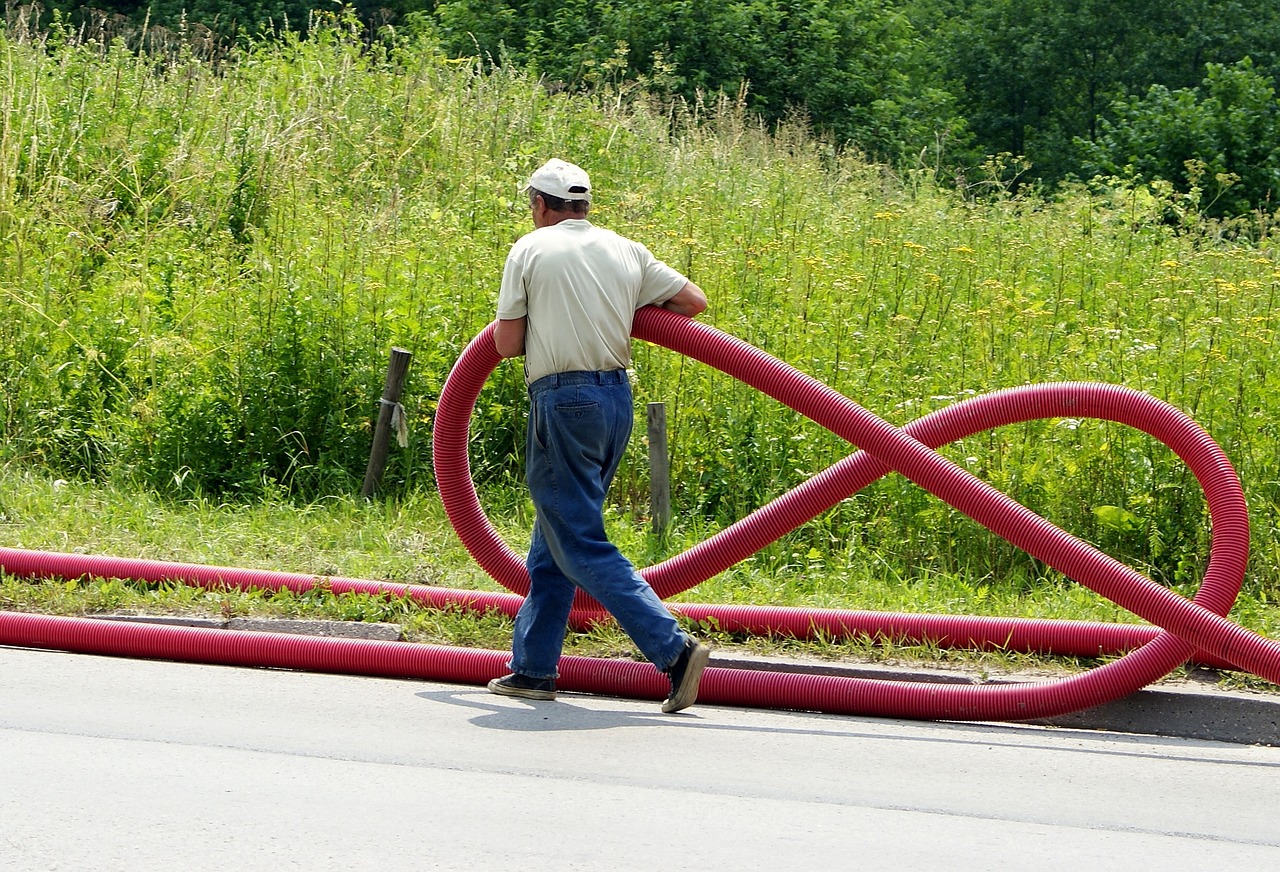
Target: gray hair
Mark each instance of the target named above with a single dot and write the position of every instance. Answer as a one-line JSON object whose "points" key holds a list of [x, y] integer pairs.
{"points": [[559, 204]]}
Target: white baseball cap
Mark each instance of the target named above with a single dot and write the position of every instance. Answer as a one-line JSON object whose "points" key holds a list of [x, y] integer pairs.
{"points": [[561, 179]]}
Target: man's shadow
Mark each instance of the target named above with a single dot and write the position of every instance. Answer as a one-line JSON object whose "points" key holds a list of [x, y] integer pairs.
{"points": [[539, 716]]}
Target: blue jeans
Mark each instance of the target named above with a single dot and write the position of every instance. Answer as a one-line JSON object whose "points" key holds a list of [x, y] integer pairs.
{"points": [[579, 425]]}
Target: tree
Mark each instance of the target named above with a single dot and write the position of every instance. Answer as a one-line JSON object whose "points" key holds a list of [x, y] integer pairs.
{"points": [[850, 65], [1037, 77], [228, 18], [1221, 139]]}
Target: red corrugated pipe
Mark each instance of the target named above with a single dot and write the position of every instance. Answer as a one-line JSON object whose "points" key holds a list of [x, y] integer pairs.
{"points": [[1197, 626], [1188, 625]]}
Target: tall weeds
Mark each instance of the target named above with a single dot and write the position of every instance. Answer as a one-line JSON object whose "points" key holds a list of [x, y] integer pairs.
{"points": [[203, 266]]}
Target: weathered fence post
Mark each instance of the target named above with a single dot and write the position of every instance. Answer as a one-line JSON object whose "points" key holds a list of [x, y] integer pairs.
{"points": [[390, 418], [659, 468]]}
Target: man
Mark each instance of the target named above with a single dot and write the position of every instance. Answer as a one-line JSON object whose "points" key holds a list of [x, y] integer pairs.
{"points": [[569, 292]]}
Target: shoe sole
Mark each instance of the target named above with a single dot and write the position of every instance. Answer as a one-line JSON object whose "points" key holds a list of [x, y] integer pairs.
{"points": [[519, 692], [687, 693]]}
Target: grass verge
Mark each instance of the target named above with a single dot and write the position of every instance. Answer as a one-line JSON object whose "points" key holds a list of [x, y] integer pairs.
{"points": [[411, 541]]}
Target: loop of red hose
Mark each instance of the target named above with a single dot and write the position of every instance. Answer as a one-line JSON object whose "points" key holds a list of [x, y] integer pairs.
{"points": [[1187, 624], [1196, 623]]}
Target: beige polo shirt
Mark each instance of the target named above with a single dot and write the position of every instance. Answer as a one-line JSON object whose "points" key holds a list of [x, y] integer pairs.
{"points": [[579, 286]]}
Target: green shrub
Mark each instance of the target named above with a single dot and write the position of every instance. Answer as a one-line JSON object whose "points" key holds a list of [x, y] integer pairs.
{"points": [[1219, 143]]}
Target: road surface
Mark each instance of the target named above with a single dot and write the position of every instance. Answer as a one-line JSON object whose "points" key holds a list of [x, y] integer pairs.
{"points": [[117, 764]]}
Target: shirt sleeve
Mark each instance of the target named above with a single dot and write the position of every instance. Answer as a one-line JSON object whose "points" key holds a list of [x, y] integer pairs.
{"points": [[658, 282], [513, 299]]}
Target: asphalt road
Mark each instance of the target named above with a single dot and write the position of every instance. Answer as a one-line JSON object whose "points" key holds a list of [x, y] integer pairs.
{"points": [[115, 764]]}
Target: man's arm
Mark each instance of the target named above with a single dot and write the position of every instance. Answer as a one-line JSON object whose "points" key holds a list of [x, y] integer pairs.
{"points": [[688, 301], [508, 336]]}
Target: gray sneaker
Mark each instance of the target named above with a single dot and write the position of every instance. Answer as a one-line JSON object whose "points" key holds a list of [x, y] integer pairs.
{"points": [[523, 686], [685, 674]]}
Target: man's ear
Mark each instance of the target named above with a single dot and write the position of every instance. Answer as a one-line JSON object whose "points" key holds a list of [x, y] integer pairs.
{"points": [[539, 209]]}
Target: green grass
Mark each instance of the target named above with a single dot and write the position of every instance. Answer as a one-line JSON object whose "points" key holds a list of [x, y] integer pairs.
{"points": [[202, 270], [412, 542]]}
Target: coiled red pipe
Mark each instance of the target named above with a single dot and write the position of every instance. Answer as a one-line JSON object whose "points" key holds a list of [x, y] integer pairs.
{"points": [[1188, 625], [1160, 651]]}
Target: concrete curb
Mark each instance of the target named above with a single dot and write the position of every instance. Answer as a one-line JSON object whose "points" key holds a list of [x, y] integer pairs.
{"points": [[331, 629]]}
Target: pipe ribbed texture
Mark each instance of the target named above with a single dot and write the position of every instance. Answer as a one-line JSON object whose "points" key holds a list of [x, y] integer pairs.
{"points": [[1183, 628]]}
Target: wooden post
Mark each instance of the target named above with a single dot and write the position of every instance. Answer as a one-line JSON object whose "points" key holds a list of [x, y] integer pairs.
{"points": [[659, 468], [387, 408]]}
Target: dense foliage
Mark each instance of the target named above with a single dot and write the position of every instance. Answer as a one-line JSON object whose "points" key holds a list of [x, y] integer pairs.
{"points": [[1032, 75], [204, 264], [1068, 87], [848, 64], [1232, 125]]}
